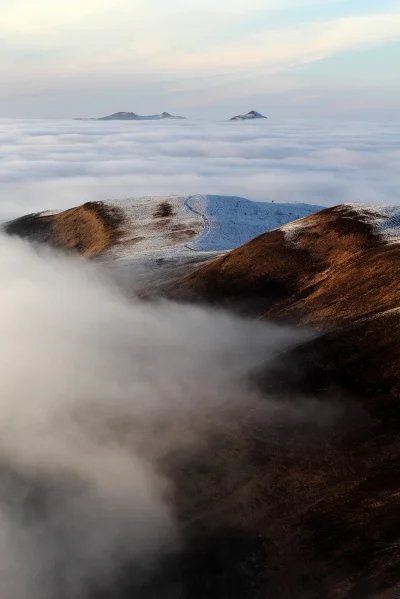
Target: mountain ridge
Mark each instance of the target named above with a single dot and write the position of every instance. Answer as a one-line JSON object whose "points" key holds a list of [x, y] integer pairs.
{"points": [[133, 116], [306, 269], [157, 234]]}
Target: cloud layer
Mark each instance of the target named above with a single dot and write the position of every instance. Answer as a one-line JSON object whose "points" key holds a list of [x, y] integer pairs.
{"points": [[60, 164]]}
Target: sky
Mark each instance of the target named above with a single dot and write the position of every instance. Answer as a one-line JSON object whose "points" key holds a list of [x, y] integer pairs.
{"points": [[58, 164], [200, 58]]}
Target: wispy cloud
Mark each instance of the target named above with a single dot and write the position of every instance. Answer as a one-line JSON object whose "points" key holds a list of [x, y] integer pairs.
{"points": [[274, 51]]}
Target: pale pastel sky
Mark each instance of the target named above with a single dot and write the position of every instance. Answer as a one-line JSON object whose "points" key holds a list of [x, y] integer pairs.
{"points": [[200, 58]]}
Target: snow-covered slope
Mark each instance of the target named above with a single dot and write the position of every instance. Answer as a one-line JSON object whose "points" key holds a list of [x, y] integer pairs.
{"points": [[231, 221], [384, 218], [160, 236], [200, 223], [253, 114]]}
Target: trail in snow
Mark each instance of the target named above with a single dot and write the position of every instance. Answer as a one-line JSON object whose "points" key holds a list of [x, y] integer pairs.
{"points": [[206, 223]]}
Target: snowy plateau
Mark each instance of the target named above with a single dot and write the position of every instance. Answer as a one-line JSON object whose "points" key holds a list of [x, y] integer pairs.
{"points": [[176, 230]]}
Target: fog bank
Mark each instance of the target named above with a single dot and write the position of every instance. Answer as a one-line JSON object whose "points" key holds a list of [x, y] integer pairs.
{"points": [[97, 395]]}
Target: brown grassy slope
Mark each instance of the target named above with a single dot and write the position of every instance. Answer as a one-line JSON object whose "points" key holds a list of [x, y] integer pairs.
{"points": [[333, 269], [315, 510], [89, 229]]}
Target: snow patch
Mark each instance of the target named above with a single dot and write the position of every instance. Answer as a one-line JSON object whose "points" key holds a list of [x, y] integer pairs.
{"points": [[228, 222], [384, 218], [50, 212], [291, 230]]}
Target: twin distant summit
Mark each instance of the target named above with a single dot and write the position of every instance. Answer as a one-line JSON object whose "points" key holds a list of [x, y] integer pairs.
{"points": [[132, 116]]}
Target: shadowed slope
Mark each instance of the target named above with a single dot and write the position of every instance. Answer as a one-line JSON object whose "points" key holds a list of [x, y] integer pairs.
{"points": [[348, 526], [296, 509]]}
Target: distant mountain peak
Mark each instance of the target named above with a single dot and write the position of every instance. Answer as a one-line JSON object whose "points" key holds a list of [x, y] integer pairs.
{"points": [[253, 114], [133, 116]]}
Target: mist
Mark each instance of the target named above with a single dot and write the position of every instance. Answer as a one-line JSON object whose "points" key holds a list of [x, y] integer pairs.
{"points": [[100, 395]]}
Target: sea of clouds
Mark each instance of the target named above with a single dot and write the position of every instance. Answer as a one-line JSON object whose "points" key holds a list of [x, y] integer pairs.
{"points": [[58, 164]]}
